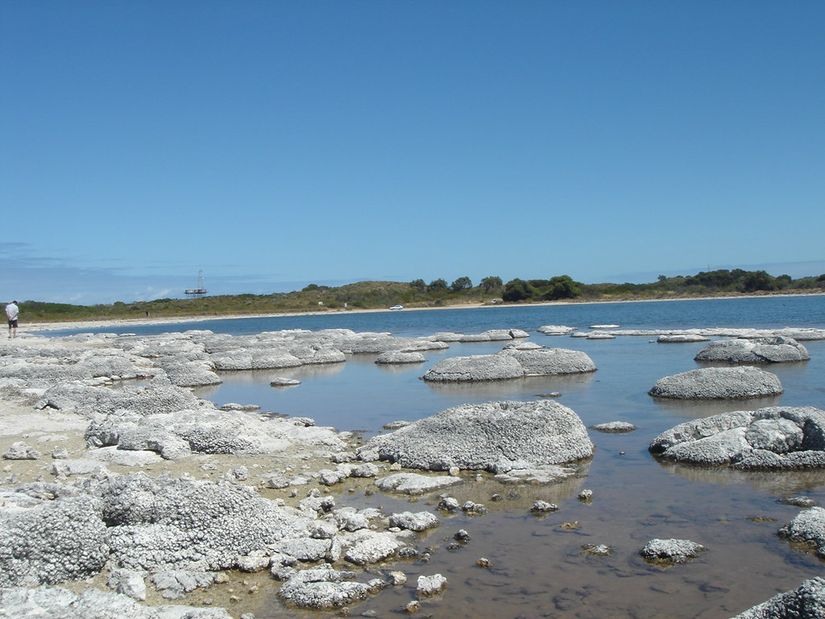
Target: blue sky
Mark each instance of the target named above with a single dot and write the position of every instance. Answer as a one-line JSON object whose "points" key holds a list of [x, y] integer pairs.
{"points": [[272, 144]]}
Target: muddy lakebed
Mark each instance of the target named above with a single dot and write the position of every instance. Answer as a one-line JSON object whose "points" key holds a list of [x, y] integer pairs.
{"points": [[536, 564]]}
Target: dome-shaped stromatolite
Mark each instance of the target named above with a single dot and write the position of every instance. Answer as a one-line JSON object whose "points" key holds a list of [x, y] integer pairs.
{"points": [[758, 350], [718, 384], [511, 363], [808, 600], [486, 436], [769, 438]]}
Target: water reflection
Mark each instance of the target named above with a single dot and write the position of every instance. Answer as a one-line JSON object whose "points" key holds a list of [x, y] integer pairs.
{"points": [[779, 483]]}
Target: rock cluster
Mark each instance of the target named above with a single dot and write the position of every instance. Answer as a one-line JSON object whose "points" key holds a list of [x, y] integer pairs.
{"points": [[775, 438]]}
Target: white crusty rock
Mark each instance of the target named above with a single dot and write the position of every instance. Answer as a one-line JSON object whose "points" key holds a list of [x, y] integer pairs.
{"points": [[808, 527], [430, 585], [615, 427], [556, 330], [412, 483], [671, 550], [805, 602], [682, 338], [510, 363], [718, 384], [497, 436], [127, 582], [323, 588], [399, 357], [414, 521], [757, 350], [780, 438], [55, 602]]}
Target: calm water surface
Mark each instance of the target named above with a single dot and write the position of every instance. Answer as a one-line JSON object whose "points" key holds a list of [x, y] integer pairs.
{"points": [[538, 568]]}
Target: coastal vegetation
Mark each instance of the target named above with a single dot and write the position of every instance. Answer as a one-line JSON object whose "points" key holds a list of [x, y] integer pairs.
{"points": [[436, 293]]}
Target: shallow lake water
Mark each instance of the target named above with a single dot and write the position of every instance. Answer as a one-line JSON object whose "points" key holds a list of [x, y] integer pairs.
{"points": [[538, 567]]}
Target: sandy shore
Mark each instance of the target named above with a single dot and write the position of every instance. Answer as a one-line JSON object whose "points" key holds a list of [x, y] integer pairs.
{"points": [[119, 322]]}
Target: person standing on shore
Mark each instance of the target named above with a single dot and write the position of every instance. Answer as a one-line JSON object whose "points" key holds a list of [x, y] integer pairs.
{"points": [[12, 312]]}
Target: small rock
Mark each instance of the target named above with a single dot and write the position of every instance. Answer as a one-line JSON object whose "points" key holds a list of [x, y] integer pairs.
{"points": [[614, 427], [599, 550], [430, 585], [798, 501], [473, 509], [60, 453], [586, 495], [398, 578], [412, 607], [543, 507], [483, 562], [284, 382], [449, 504], [671, 550], [462, 536], [21, 451]]}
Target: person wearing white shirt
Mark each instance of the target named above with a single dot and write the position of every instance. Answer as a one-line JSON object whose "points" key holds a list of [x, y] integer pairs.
{"points": [[12, 312]]}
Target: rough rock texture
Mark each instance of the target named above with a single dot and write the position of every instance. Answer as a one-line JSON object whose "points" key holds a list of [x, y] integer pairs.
{"points": [[398, 357], [807, 527], [718, 384], [169, 524], [497, 436], [430, 585], [671, 550], [323, 588], [127, 582], [412, 483], [206, 430], [21, 451], [418, 521], [805, 602], [780, 438], [57, 603], [758, 350], [510, 363], [51, 541]]}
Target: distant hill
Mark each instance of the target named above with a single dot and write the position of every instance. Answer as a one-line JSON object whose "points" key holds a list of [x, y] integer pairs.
{"points": [[437, 293]]}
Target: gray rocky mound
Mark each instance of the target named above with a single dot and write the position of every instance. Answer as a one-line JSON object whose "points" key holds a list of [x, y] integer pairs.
{"points": [[396, 356], [775, 438], [556, 330], [671, 550], [52, 541], [496, 436], [777, 349], [718, 384], [805, 602], [58, 603], [807, 527], [324, 588], [161, 524], [511, 363], [615, 427], [684, 338]]}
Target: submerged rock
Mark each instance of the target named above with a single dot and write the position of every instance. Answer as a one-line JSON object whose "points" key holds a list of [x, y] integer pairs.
{"points": [[497, 436], [671, 550], [615, 427], [807, 527], [414, 521], [757, 350], [718, 384], [511, 363], [781, 438], [805, 602]]}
